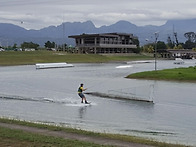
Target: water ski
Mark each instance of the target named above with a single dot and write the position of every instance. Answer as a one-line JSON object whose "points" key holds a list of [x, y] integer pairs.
{"points": [[88, 103]]}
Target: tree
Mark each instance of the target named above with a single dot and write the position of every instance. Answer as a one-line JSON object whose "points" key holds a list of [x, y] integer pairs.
{"points": [[161, 46], [136, 42], [175, 35], [170, 44], [180, 46], [49, 44], [189, 44], [14, 46], [148, 48], [191, 40], [29, 45], [191, 36], [62, 47]]}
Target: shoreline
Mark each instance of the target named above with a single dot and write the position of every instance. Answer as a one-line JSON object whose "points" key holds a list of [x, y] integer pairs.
{"points": [[81, 135]]}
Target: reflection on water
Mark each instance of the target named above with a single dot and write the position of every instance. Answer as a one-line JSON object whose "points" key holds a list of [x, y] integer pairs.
{"points": [[82, 112], [51, 96]]}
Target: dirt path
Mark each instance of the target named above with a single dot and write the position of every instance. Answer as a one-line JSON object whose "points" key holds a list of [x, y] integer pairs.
{"points": [[74, 136]]}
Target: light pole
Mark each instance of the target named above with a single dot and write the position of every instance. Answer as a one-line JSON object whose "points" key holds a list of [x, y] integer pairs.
{"points": [[155, 56]]}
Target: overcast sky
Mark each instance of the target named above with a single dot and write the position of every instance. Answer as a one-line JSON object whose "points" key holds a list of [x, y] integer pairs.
{"points": [[36, 14]]}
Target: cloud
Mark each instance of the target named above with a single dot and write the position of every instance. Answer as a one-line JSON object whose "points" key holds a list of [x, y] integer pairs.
{"points": [[37, 14]]}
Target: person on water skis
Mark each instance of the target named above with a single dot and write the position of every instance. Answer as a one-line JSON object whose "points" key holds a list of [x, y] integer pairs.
{"points": [[80, 93]]}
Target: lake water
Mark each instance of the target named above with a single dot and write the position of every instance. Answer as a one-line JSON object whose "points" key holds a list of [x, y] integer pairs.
{"points": [[50, 96]]}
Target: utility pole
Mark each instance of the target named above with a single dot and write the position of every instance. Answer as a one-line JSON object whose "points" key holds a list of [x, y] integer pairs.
{"points": [[155, 56]]}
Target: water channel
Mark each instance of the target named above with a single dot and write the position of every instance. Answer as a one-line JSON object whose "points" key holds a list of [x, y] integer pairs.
{"points": [[50, 96]]}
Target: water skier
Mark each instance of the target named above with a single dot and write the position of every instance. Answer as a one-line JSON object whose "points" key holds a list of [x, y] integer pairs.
{"points": [[80, 93]]}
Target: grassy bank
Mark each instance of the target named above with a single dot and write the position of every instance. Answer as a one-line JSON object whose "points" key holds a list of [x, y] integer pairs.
{"points": [[18, 138], [11, 137], [24, 58], [177, 74]]}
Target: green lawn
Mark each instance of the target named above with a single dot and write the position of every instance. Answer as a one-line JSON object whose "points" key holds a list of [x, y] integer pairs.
{"points": [[18, 138], [177, 74], [32, 57]]}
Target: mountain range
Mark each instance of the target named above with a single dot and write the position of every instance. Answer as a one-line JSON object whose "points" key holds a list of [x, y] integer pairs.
{"points": [[10, 33]]}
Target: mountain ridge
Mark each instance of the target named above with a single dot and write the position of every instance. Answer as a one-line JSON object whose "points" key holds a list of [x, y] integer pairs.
{"points": [[10, 33]]}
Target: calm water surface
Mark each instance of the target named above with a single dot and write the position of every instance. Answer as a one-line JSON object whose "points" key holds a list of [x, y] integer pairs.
{"points": [[50, 96]]}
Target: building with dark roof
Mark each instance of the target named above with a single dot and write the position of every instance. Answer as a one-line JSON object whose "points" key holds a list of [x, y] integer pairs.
{"points": [[105, 43]]}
